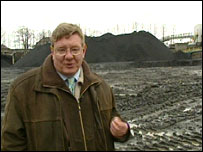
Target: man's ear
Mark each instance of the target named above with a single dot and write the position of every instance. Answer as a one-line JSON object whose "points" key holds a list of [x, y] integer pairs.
{"points": [[84, 50], [52, 49]]}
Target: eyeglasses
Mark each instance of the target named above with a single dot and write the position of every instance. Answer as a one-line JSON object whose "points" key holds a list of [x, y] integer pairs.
{"points": [[74, 51]]}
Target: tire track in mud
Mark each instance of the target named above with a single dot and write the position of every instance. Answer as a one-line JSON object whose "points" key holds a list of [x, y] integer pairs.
{"points": [[162, 104], [166, 113]]}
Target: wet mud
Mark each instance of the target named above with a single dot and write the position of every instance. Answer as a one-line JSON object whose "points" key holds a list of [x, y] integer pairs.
{"points": [[162, 104]]}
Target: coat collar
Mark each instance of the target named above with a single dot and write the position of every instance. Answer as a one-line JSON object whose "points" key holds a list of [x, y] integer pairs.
{"points": [[50, 78]]}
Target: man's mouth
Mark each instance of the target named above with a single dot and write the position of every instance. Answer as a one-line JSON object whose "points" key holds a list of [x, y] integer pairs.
{"points": [[69, 65]]}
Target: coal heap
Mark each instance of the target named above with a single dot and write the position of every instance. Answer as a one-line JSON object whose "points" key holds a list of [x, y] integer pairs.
{"points": [[136, 46], [35, 57]]}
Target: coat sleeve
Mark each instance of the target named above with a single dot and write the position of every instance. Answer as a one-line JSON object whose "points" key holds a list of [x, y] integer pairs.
{"points": [[116, 114], [13, 136], [114, 110]]}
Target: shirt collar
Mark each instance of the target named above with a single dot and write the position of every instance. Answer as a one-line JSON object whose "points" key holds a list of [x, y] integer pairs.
{"points": [[76, 76], [81, 77]]}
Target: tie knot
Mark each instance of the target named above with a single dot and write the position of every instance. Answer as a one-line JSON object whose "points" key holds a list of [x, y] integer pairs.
{"points": [[71, 81]]}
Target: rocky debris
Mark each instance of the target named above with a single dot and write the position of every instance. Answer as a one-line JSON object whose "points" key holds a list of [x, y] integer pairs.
{"points": [[162, 104], [8, 74]]}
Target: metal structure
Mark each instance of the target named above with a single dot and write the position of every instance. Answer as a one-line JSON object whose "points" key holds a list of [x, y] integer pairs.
{"points": [[198, 33], [178, 36]]}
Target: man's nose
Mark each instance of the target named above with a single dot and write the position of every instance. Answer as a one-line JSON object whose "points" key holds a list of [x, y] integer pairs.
{"points": [[68, 55]]}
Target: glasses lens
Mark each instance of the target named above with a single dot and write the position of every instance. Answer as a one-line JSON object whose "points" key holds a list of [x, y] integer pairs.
{"points": [[61, 51], [73, 51]]}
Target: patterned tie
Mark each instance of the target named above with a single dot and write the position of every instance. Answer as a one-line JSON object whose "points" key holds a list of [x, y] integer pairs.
{"points": [[71, 84]]}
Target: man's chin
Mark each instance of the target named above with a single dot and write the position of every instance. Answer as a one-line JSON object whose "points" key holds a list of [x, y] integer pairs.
{"points": [[69, 72]]}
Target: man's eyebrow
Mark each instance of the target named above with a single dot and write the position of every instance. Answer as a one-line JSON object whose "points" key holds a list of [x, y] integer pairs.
{"points": [[74, 45], [62, 47]]}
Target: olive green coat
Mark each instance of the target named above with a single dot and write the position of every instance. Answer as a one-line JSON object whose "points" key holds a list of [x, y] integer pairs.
{"points": [[42, 114]]}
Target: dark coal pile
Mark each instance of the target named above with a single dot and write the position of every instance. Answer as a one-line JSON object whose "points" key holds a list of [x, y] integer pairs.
{"points": [[35, 57], [137, 46]]}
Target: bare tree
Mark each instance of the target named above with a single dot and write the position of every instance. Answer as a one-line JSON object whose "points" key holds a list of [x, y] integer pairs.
{"points": [[142, 26], [172, 40], [135, 24], [155, 30], [24, 36], [117, 28], [163, 31], [43, 34], [150, 28], [49, 33]]}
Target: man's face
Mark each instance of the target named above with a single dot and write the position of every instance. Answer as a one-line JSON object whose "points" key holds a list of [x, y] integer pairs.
{"points": [[65, 62]]}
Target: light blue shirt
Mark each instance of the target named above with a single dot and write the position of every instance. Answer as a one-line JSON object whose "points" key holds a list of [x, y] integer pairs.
{"points": [[76, 76]]}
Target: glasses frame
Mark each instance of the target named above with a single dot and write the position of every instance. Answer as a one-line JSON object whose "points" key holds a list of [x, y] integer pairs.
{"points": [[66, 50]]}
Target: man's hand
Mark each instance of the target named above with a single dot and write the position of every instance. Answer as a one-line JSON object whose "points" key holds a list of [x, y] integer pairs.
{"points": [[118, 128]]}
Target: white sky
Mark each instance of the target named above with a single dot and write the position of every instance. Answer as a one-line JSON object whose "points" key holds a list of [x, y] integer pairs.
{"points": [[102, 16]]}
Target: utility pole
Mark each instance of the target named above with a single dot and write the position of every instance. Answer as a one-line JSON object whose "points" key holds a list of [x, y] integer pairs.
{"points": [[163, 32]]}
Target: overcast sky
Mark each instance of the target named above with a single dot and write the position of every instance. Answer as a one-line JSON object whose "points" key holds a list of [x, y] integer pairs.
{"points": [[102, 16]]}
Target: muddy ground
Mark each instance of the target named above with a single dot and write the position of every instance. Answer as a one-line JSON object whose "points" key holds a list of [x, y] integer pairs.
{"points": [[162, 104]]}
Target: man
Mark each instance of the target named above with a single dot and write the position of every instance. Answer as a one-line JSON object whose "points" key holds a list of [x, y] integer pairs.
{"points": [[62, 105]]}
